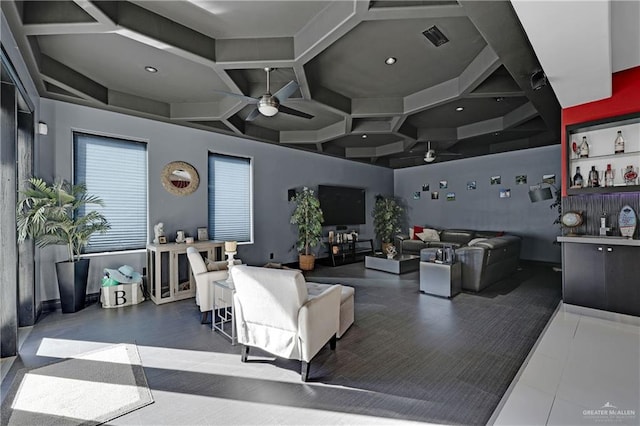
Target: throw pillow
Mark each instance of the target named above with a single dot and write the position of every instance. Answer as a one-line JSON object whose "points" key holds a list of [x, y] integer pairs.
{"points": [[416, 230], [500, 234], [476, 240], [429, 235]]}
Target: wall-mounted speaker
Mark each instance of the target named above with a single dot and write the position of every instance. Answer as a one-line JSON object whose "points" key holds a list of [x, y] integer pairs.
{"points": [[291, 194], [538, 80]]}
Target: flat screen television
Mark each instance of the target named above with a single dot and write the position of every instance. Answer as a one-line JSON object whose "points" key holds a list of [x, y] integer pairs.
{"points": [[342, 205]]}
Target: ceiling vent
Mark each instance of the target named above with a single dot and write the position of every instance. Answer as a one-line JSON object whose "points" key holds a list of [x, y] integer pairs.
{"points": [[435, 36]]}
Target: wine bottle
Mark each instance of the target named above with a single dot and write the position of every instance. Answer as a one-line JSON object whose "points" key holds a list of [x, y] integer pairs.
{"points": [[578, 181], [584, 148], [619, 143], [608, 176], [594, 179]]}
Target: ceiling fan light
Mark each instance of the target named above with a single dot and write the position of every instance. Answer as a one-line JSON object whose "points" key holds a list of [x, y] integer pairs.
{"points": [[430, 156], [268, 110], [268, 106]]}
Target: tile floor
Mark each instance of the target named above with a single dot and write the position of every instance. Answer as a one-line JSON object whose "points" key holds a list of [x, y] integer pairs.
{"points": [[584, 369]]}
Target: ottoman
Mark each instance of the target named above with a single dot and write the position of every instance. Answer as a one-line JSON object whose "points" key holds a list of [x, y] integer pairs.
{"points": [[346, 303]]}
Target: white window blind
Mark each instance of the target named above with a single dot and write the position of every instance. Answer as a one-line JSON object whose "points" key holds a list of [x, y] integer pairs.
{"points": [[230, 194], [116, 171]]}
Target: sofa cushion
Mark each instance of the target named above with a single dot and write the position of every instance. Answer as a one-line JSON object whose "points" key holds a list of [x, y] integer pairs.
{"points": [[500, 248], [441, 244], [475, 241], [487, 234], [460, 236], [412, 246]]}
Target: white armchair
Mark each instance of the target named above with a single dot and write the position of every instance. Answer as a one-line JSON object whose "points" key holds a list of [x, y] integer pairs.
{"points": [[275, 313], [204, 278]]}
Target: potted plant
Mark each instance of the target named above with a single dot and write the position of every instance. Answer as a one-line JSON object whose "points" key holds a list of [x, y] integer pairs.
{"points": [[386, 219], [49, 214], [308, 216]]}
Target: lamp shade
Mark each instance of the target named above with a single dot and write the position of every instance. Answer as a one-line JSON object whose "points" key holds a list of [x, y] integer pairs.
{"points": [[540, 194]]}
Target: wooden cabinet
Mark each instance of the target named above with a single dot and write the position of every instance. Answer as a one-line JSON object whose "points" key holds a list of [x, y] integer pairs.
{"points": [[601, 274], [170, 277], [583, 271], [623, 279], [600, 136]]}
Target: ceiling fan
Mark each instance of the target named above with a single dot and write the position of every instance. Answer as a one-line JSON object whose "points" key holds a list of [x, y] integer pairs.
{"points": [[430, 155], [268, 104]]}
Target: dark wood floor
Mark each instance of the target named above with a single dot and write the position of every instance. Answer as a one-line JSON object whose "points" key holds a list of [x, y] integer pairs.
{"points": [[408, 356]]}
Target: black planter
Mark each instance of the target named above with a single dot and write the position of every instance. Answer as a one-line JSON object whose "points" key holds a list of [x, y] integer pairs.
{"points": [[72, 283]]}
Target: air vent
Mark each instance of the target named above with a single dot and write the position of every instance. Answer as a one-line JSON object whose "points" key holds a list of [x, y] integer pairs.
{"points": [[435, 36]]}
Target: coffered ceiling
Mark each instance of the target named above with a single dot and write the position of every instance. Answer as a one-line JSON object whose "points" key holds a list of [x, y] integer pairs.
{"points": [[95, 53]]}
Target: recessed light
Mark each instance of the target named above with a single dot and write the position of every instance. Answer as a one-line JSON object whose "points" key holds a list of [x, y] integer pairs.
{"points": [[149, 68], [390, 60], [460, 109], [364, 136]]}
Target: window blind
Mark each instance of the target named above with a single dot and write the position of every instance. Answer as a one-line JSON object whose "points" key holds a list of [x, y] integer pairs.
{"points": [[230, 195], [116, 171]]}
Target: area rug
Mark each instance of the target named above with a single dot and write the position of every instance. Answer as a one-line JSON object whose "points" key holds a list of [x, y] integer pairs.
{"points": [[89, 389]]}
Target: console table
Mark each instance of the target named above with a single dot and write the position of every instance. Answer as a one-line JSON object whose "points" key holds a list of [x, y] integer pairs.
{"points": [[349, 251], [170, 276]]}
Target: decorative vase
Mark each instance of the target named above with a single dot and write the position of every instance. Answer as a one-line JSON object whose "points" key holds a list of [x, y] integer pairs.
{"points": [[306, 262], [72, 283]]}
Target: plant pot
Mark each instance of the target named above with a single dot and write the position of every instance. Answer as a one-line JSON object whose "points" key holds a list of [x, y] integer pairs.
{"points": [[385, 246], [72, 283], [306, 262]]}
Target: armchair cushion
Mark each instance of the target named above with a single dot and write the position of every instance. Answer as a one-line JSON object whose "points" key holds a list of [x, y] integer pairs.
{"points": [[275, 313], [204, 278]]}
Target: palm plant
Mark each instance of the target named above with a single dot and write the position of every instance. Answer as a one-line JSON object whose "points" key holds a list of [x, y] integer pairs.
{"points": [[49, 214]]}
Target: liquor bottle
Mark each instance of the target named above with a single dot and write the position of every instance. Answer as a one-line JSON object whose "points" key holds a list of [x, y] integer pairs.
{"points": [[608, 176], [619, 143], [584, 148], [594, 179], [578, 181]]}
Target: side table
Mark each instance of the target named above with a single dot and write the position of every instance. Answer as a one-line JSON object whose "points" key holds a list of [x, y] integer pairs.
{"points": [[441, 279], [223, 315]]}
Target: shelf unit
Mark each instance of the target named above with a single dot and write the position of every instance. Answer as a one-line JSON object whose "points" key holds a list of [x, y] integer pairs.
{"points": [[349, 251], [600, 137], [170, 276]]}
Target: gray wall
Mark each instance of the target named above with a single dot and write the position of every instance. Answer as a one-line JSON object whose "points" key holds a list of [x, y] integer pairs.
{"points": [[276, 169], [483, 208]]}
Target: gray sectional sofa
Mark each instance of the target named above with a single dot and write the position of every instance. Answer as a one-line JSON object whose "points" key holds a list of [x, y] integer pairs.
{"points": [[486, 261]]}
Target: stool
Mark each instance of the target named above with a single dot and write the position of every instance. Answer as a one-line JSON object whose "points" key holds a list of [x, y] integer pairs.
{"points": [[346, 304]]}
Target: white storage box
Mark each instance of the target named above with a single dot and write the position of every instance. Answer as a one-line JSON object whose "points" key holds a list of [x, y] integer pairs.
{"points": [[121, 295]]}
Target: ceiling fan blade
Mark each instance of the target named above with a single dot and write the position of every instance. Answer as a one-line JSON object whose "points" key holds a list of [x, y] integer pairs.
{"points": [[252, 115], [295, 112], [448, 153], [286, 91], [249, 99]]}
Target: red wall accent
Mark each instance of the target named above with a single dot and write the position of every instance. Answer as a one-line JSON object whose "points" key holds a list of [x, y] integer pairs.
{"points": [[624, 100]]}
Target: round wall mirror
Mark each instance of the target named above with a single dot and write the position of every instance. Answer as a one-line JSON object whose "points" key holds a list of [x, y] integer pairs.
{"points": [[180, 178]]}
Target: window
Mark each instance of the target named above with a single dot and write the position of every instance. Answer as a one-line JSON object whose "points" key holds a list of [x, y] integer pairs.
{"points": [[116, 171], [230, 198]]}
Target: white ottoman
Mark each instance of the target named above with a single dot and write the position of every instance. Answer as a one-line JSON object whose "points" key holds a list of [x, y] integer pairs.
{"points": [[346, 303]]}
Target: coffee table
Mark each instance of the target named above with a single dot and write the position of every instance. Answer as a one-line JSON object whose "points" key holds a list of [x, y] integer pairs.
{"points": [[399, 264]]}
